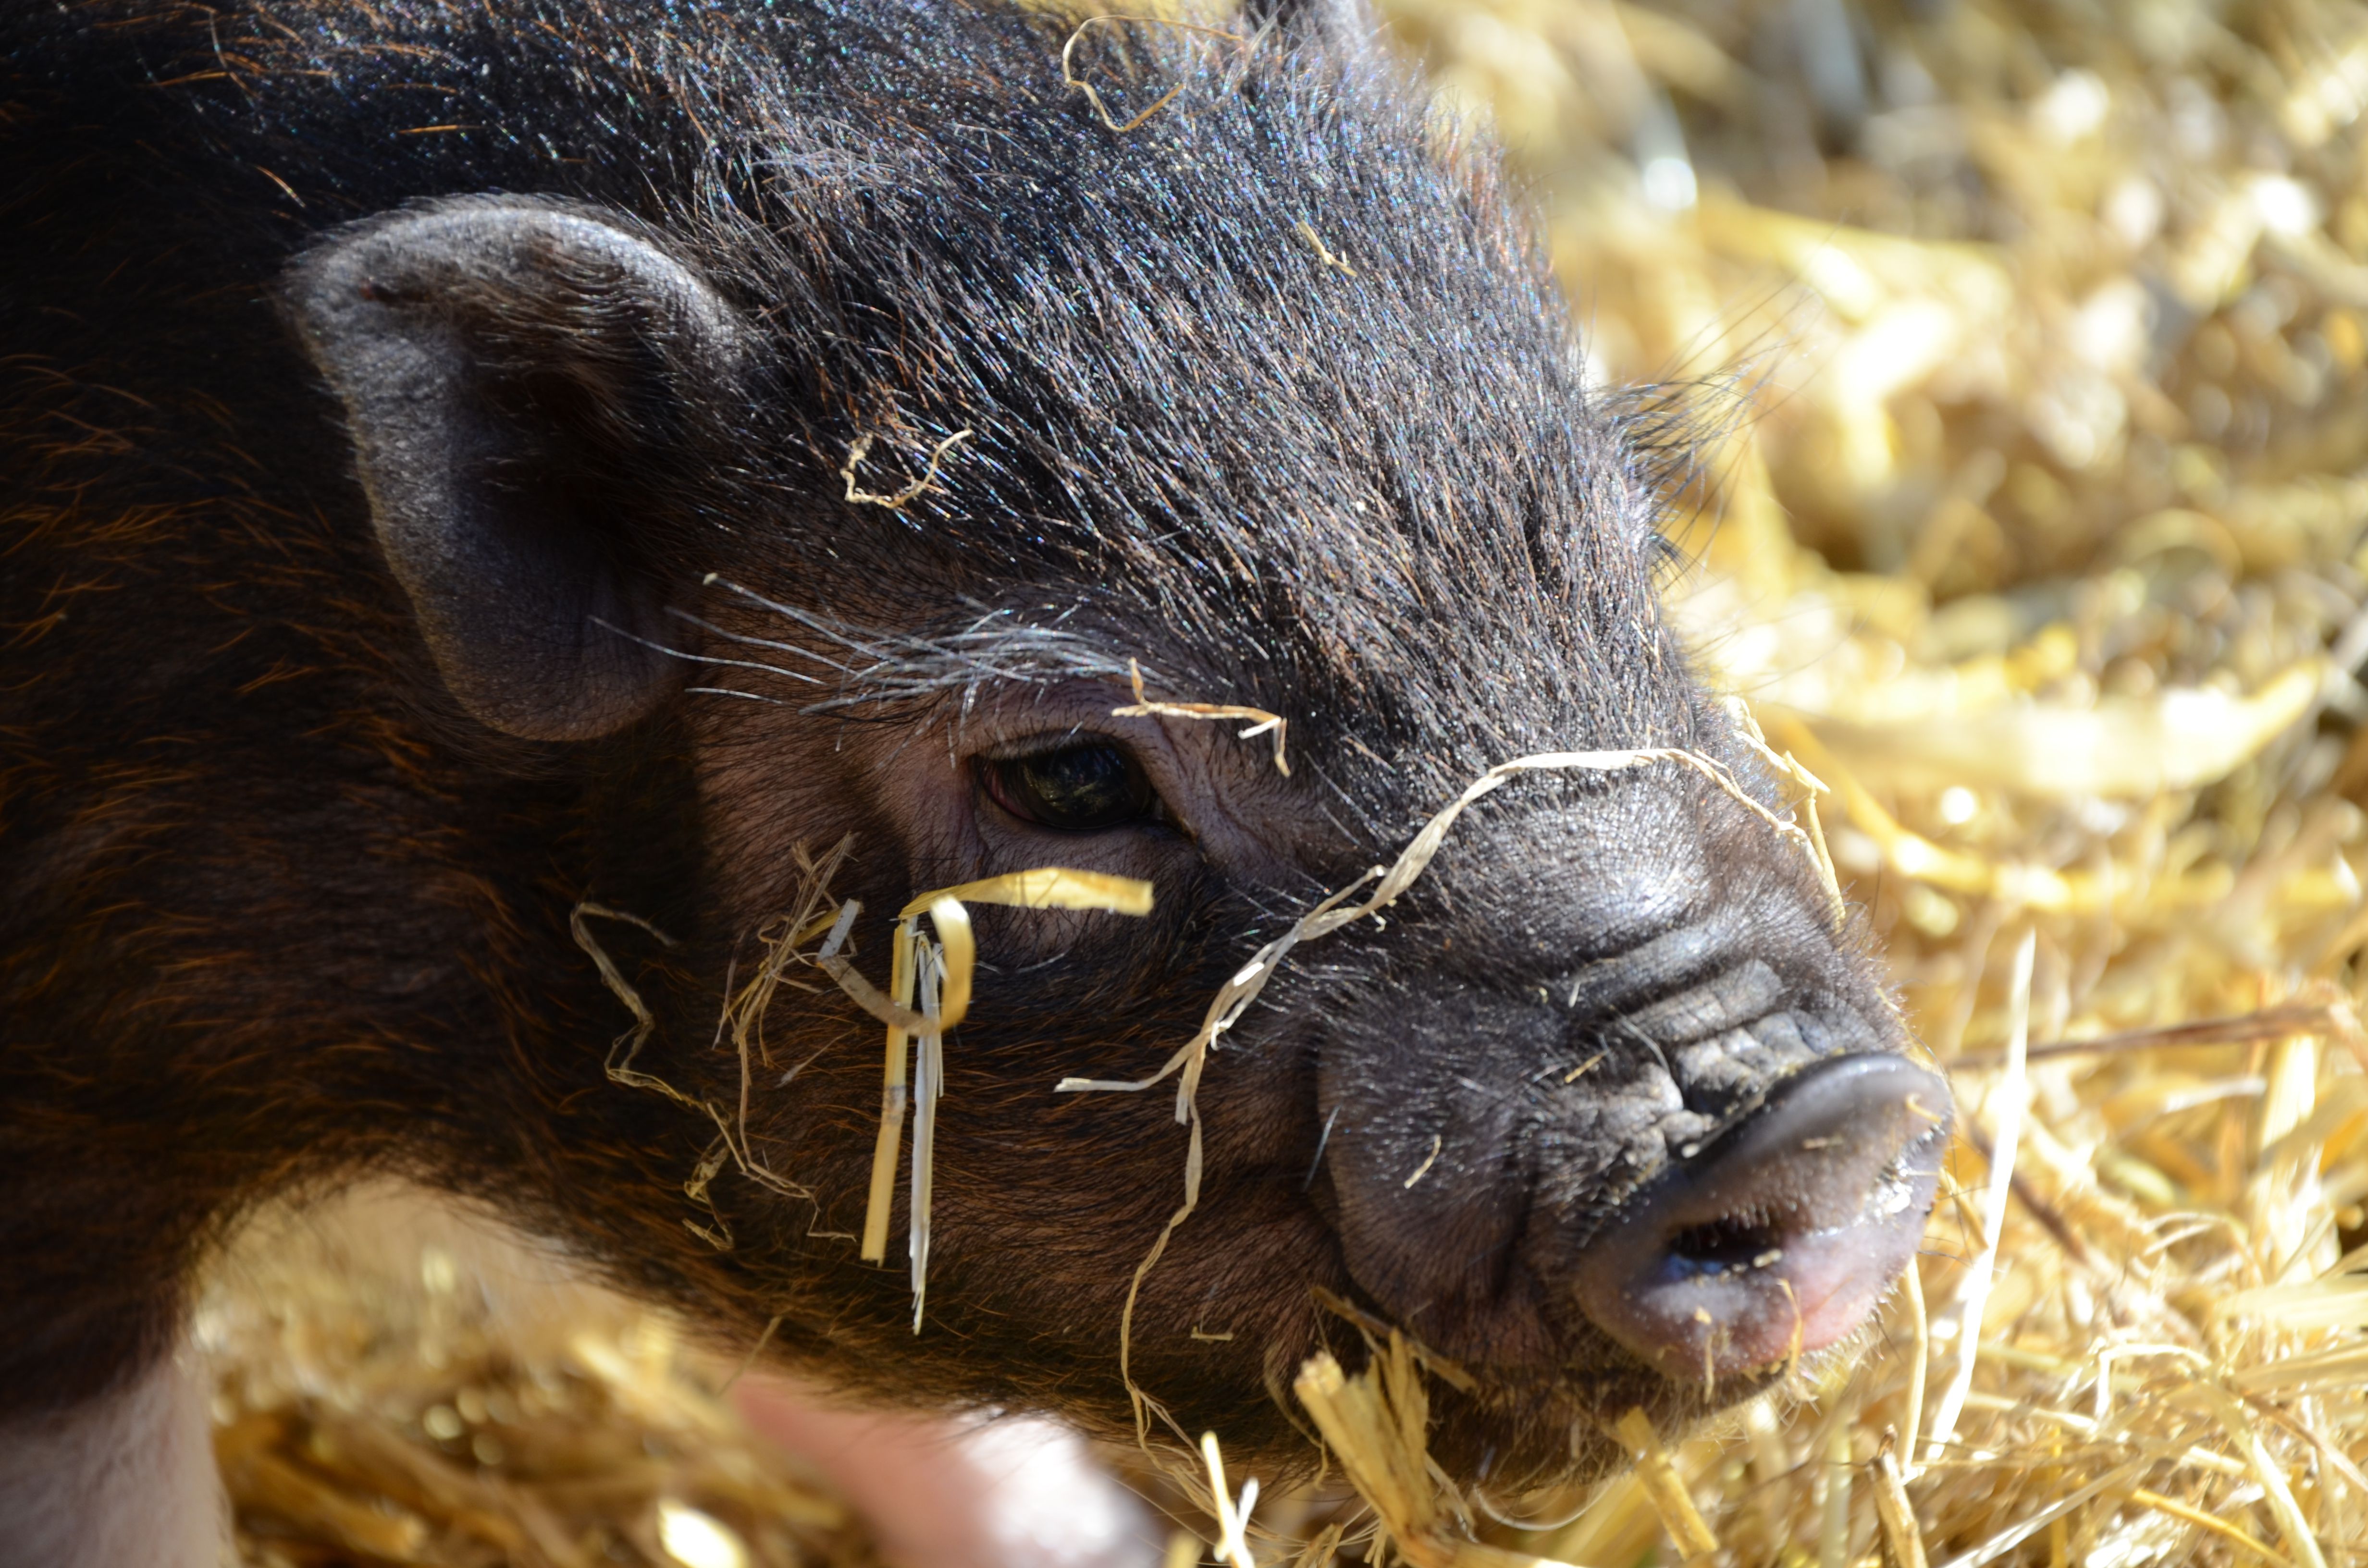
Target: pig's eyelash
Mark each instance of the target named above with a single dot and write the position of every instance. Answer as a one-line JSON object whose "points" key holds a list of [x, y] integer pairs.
{"points": [[1044, 742], [731, 691], [746, 640], [929, 670], [704, 658], [788, 612], [905, 668]]}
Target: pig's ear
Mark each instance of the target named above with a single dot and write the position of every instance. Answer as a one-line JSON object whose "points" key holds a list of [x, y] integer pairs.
{"points": [[525, 384]]}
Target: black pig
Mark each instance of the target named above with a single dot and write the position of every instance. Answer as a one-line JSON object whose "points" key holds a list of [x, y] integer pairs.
{"points": [[463, 459]]}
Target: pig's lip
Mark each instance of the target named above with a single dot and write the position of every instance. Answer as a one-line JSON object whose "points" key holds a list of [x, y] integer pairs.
{"points": [[1753, 1253]]}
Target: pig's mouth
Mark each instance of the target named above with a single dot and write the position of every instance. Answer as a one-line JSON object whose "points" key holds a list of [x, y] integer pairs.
{"points": [[1778, 1237], [1787, 1151]]}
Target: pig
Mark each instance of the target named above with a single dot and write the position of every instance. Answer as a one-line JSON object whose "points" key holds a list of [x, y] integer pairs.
{"points": [[470, 460]]}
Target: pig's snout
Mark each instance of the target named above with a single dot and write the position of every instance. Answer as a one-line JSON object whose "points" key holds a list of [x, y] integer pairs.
{"points": [[1659, 1131], [1778, 1237]]}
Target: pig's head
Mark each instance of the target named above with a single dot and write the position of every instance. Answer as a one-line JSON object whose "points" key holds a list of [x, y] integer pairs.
{"points": [[1272, 396]]}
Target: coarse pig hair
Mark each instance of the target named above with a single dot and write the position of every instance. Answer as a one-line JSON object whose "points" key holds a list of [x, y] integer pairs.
{"points": [[1270, 394]]}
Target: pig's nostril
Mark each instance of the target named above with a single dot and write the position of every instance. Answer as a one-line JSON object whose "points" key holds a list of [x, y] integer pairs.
{"points": [[1779, 1238], [1737, 1242]]}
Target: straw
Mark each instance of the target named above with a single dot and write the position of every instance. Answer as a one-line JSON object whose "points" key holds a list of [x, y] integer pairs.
{"points": [[941, 972]]}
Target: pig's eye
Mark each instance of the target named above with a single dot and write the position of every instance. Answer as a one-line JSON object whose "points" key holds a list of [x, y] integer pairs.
{"points": [[1078, 789]]}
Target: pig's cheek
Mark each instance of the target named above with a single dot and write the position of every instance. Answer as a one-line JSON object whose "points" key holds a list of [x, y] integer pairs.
{"points": [[961, 1492]]}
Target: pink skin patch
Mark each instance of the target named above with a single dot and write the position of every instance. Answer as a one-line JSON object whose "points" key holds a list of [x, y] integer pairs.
{"points": [[962, 1491], [128, 1479], [1779, 1238]]}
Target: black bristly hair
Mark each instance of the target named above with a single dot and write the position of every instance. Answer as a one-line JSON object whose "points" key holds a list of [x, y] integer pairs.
{"points": [[932, 232], [846, 357]]}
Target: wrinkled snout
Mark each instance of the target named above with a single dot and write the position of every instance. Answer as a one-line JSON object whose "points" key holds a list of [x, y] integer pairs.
{"points": [[1654, 1130], [1778, 1237]]}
